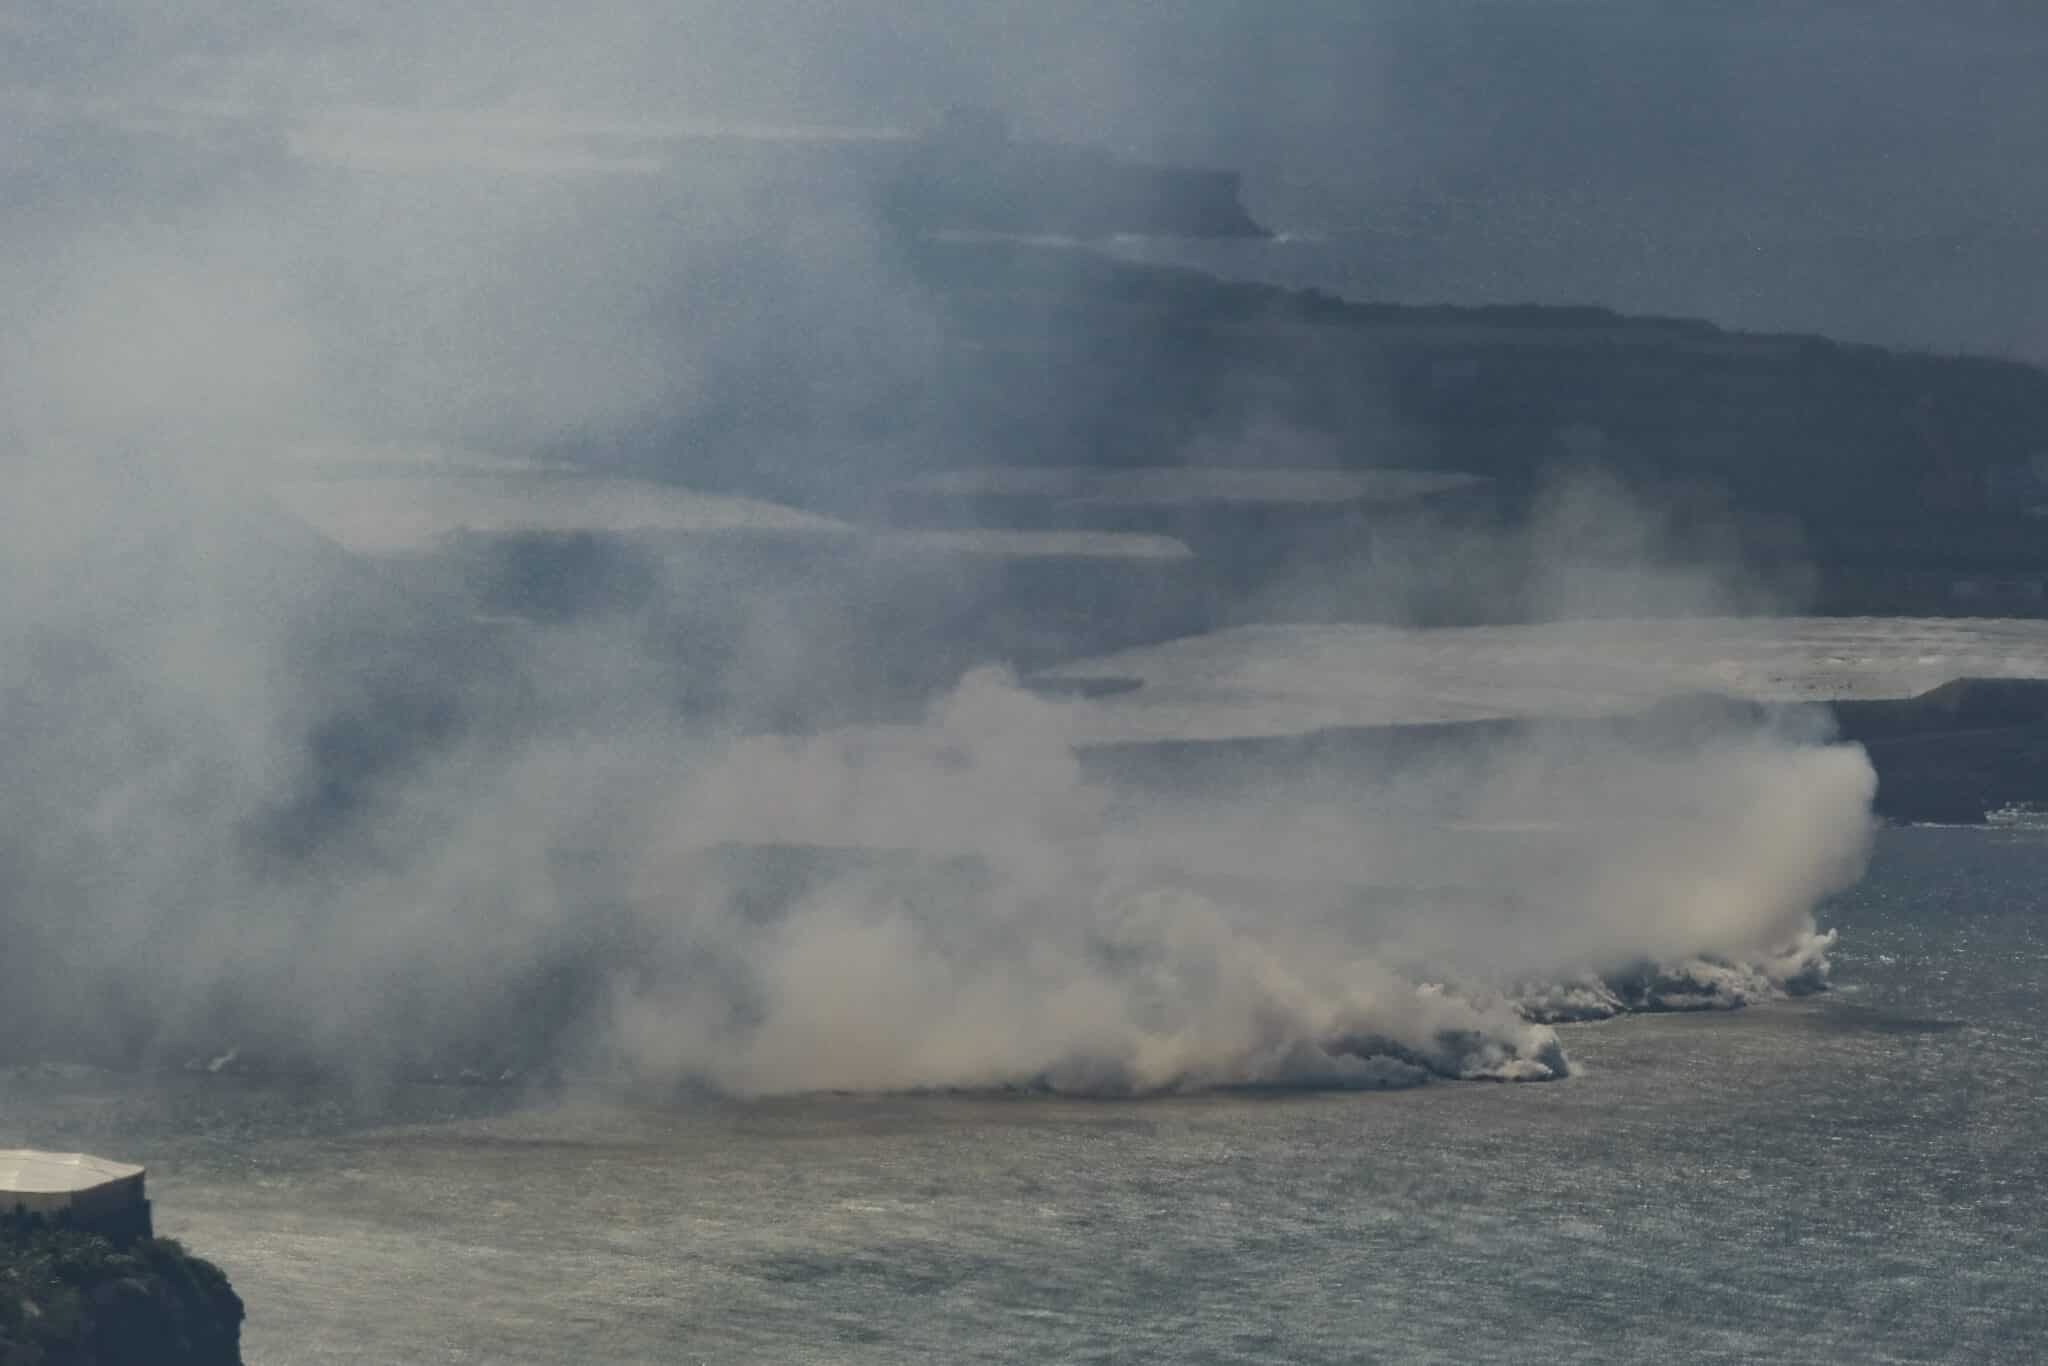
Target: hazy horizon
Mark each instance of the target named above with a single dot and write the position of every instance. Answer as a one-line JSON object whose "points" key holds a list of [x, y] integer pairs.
{"points": [[1756, 143]]}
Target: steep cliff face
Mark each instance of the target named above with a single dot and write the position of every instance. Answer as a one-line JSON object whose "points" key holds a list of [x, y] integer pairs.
{"points": [[75, 1299]]}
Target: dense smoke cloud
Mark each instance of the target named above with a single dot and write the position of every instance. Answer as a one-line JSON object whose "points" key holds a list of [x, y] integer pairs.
{"points": [[1264, 931], [948, 903], [270, 794]]}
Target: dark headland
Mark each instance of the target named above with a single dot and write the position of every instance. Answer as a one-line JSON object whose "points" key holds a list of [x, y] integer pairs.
{"points": [[70, 1297]]}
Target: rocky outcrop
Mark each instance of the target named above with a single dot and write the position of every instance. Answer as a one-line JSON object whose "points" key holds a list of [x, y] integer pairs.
{"points": [[69, 1298]]}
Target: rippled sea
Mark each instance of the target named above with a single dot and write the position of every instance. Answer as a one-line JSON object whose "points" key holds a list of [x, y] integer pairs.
{"points": [[1858, 1178]]}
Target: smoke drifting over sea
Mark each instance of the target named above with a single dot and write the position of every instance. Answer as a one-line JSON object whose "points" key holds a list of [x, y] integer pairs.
{"points": [[271, 794], [948, 903], [1378, 931]]}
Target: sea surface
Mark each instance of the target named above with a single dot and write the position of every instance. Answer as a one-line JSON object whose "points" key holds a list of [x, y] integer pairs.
{"points": [[1293, 679], [1856, 1178]]}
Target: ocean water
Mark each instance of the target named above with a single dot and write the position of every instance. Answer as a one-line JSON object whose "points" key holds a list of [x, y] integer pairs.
{"points": [[1855, 1178], [1290, 679]]}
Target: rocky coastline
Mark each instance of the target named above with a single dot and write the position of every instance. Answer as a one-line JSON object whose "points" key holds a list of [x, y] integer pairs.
{"points": [[74, 1298]]}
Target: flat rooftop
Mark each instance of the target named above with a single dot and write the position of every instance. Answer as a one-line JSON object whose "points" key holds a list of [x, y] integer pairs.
{"points": [[27, 1171]]}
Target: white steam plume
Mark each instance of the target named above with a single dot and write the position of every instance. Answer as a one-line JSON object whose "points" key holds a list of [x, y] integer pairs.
{"points": [[262, 792]]}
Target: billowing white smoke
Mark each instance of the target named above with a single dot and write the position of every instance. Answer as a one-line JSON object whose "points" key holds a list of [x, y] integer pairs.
{"points": [[1076, 949], [1157, 991], [954, 903], [263, 793], [948, 904], [1593, 851], [1704, 896], [1037, 960]]}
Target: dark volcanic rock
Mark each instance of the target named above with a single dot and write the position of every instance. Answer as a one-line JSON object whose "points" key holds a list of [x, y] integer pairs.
{"points": [[1958, 752], [69, 1298]]}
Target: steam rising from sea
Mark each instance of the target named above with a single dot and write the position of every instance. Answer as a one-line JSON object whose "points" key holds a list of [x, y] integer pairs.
{"points": [[269, 794], [1374, 933], [948, 904]]}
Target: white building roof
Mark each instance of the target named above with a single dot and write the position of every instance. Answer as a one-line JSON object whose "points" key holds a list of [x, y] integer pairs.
{"points": [[25, 1171]]}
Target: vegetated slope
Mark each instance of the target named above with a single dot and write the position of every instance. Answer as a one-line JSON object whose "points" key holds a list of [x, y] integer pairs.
{"points": [[69, 1298]]}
